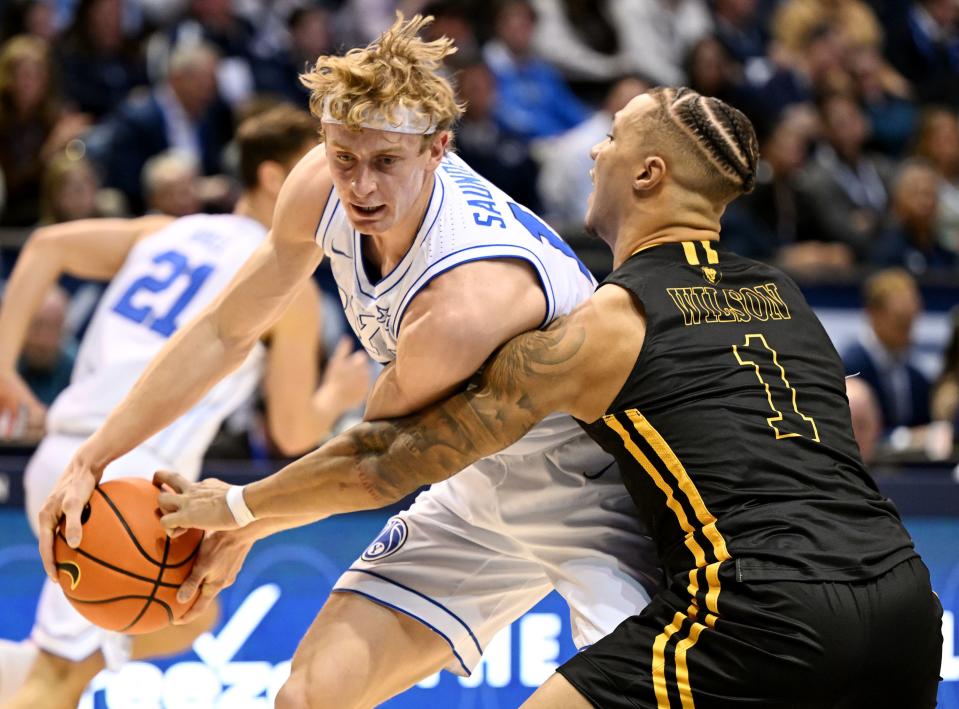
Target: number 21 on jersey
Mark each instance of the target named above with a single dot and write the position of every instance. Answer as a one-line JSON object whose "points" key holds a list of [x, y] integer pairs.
{"points": [[176, 269], [787, 420]]}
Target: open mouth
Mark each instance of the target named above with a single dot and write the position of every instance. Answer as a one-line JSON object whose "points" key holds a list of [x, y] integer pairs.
{"points": [[368, 211]]}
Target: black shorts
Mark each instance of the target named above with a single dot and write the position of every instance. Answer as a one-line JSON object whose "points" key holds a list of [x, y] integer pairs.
{"points": [[801, 645]]}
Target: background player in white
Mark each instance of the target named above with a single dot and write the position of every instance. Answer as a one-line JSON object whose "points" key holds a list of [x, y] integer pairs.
{"points": [[436, 268], [162, 272]]}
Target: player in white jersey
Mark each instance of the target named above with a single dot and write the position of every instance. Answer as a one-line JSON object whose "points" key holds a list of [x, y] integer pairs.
{"points": [[436, 269], [162, 272]]}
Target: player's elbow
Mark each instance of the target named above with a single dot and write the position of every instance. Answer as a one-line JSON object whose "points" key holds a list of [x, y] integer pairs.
{"points": [[291, 441]]}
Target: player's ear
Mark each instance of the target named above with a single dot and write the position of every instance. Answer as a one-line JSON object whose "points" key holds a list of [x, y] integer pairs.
{"points": [[650, 175], [437, 148], [270, 175]]}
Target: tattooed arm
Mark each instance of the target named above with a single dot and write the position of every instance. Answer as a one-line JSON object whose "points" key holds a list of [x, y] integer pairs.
{"points": [[577, 366]]}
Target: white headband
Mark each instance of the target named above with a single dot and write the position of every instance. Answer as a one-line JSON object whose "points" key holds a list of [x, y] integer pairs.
{"points": [[406, 120]]}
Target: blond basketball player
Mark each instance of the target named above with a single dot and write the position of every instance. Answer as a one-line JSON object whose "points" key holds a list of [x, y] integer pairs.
{"points": [[436, 268], [162, 272]]}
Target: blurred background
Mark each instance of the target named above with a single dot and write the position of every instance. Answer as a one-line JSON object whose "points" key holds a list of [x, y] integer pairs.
{"points": [[128, 107]]}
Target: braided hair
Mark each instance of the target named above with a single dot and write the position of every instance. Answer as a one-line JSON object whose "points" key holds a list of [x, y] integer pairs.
{"points": [[720, 133]]}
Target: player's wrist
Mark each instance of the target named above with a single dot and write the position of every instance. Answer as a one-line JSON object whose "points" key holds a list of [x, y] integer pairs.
{"points": [[90, 456], [237, 505]]}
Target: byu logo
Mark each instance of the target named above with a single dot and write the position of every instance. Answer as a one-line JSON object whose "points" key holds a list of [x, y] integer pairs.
{"points": [[388, 542]]}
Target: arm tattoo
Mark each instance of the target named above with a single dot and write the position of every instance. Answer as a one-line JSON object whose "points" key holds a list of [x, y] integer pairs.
{"points": [[517, 389]]}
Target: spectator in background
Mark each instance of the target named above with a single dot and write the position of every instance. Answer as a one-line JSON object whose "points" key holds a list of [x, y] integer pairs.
{"points": [[659, 33], [533, 100], [46, 360], [183, 112], [911, 236], [98, 64], [452, 19], [885, 100], [502, 158], [882, 356], [309, 37], [853, 20], [844, 188], [711, 71], [565, 182], [937, 142], [216, 24], [737, 28], [33, 125], [71, 190], [171, 184], [579, 37], [866, 417], [945, 393], [925, 49], [815, 69], [33, 17], [772, 222]]}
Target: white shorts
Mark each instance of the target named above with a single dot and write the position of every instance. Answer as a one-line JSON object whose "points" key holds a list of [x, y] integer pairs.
{"points": [[475, 552], [58, 628]]}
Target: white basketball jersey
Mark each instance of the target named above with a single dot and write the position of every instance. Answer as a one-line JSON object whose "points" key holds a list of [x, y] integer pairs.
{"points": [[467, 219], [168, 277]]}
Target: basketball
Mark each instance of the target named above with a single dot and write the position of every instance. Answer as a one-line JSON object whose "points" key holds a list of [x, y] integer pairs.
{"points": [[125, 574]]}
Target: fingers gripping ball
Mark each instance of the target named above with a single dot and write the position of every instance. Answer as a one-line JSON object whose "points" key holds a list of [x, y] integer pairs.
{"points": [[125, 574]]}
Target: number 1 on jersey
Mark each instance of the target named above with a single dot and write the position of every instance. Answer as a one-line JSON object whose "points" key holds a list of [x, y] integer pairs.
{"points": [[788, 421]]}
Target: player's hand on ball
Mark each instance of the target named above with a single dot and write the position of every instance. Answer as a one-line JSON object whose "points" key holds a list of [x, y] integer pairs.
{"points": [[199, 505], [218, 561], [71, 494]]}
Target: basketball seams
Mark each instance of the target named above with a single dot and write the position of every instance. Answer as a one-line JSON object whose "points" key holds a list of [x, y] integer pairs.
{"points": [[156, 584], [110, 566], [100, 601], [188, 558], [133, 537], [121, 586]]}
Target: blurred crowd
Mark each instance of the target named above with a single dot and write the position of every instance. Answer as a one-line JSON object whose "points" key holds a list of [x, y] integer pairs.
{"points": [[126, 107]]}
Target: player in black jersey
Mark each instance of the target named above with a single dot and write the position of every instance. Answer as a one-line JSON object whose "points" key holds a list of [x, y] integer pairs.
{"points": [[790, 581]]}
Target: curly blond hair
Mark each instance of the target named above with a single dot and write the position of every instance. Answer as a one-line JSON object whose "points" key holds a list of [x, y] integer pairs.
{"points": [[398, 70]]}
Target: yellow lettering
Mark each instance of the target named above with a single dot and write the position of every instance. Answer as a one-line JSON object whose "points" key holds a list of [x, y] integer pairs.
{"points": [[688, 303]]}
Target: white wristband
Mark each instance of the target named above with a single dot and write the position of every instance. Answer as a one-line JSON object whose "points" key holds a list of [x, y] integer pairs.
{"points": [[236, 503]]}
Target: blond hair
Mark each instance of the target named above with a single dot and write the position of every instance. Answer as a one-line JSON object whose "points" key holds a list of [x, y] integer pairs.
{"points": [[397, 71], [882, 285]]}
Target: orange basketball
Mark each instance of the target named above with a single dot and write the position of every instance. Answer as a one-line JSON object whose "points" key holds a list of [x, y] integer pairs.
{"points": [[125, 574]]}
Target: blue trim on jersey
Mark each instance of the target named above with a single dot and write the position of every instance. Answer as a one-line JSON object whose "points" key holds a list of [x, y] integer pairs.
{"points": [[326, 231], [439, 605], [415, 617], [541, 272], [407, 260], [319, 224]]}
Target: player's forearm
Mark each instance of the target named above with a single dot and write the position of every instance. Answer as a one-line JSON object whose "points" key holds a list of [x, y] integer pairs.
{"points": [[298, 428], [36, 271], [262, 528], [377, 463], [188, 366]]}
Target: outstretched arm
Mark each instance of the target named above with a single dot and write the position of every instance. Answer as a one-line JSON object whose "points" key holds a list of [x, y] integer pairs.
{"points": [[200, 353], [577, 365], [87, 248]]}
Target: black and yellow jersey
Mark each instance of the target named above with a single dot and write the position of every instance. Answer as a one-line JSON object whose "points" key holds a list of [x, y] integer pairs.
{"points": [[733, 429]]}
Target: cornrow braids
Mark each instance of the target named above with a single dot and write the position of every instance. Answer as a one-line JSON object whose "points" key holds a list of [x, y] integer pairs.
{"points": [[723, 134]]}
